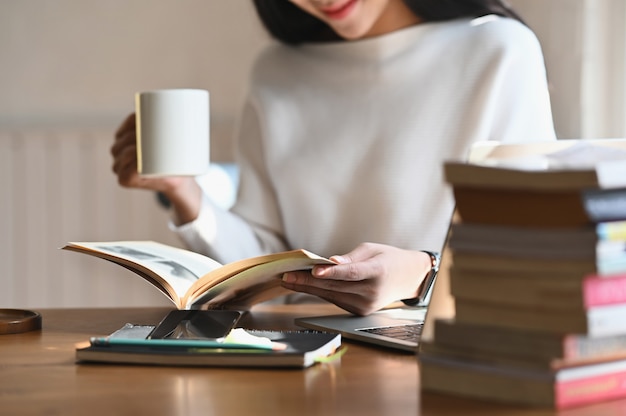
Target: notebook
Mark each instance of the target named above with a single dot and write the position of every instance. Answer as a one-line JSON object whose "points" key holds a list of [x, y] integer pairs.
{"points": [[403, 328]]}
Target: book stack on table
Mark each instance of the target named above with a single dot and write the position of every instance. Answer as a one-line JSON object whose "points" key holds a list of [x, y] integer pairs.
{"points": [[134, 344], [539, 284]]}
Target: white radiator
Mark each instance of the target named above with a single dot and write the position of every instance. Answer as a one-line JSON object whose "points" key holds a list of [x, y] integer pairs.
{"points": [[58, 187]]}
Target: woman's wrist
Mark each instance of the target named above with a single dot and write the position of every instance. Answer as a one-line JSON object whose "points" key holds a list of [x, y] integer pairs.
{"points": [[427, 281], [186, 200]]}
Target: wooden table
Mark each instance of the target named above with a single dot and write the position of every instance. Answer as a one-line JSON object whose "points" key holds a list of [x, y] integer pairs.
{"points": [[38, 376]]}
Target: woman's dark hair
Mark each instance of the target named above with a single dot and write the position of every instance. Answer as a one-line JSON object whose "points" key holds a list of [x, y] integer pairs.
{"points": [[289, 24]]}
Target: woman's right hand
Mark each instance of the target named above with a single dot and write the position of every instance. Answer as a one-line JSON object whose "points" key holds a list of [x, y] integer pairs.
{"points": [[183, 192]]}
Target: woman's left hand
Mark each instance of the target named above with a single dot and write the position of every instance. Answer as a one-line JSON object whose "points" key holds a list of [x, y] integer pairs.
{"points": [[366, 279]]}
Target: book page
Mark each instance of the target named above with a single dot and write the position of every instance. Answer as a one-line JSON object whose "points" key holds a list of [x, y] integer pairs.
{"points": [[251, 280], [170, 269], [579, 154], [584, 155]]}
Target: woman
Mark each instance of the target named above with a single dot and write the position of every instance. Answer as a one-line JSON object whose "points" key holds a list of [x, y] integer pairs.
{"points": [[346, 124]]}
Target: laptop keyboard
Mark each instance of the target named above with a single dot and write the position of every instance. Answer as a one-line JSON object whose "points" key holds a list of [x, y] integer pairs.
{"points": [[409, 332]]}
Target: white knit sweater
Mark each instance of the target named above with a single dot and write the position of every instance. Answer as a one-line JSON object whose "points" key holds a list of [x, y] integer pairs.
{"points": [[343, 143]]}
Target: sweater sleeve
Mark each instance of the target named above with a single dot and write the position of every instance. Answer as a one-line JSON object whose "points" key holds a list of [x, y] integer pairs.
{"points": [[252, 226], [522, 109]]}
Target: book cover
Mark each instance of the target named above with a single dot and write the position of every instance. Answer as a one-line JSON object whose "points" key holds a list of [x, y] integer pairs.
{"points": [[508, 358], [559, 389], [542, 267], [612, 230], [604, 290], [530, 208], [597, 321], [190, 279], [538, 242], [526, 344], [557, 291]]}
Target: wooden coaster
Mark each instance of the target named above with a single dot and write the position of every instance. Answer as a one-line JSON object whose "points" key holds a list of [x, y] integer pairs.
{"points": [[14, 321]]}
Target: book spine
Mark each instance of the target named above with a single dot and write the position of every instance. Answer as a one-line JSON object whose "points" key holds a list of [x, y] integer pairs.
{"points": [[610, 249], [531, 344], [611, 230], [605, 204], [599, 321], [581, 346], [604, 290], [606, 320], [520, 208], [590, 390]]}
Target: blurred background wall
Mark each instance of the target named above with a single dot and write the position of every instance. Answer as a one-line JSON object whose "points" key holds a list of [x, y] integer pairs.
{"points": [[68, 73]]}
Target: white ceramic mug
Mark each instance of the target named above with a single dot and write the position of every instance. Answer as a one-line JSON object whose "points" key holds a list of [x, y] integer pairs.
{"points": [[172, 132]]}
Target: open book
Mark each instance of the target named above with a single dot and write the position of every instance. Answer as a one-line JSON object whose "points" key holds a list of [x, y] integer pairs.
{"points": [[192, 280]]}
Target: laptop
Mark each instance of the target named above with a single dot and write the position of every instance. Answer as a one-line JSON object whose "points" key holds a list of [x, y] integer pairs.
{"points": [[404, 327]]}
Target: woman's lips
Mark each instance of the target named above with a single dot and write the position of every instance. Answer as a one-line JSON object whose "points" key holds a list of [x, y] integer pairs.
{"points": [[337, 13]]}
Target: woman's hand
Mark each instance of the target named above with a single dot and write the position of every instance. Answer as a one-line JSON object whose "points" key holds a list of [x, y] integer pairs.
{"points": [[183, 192], [366, 279]]}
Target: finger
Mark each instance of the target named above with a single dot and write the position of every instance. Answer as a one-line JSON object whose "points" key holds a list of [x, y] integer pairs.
{"points": [[362, 252], [122, 141], [306, 280], [125, 167], [351, 302], [350, 272], [128, 177], [129, 123], [124, 158]]}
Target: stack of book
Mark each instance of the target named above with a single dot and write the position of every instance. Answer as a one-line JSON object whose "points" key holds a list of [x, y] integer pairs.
{"points": [[539, 285], [136, 344]]}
